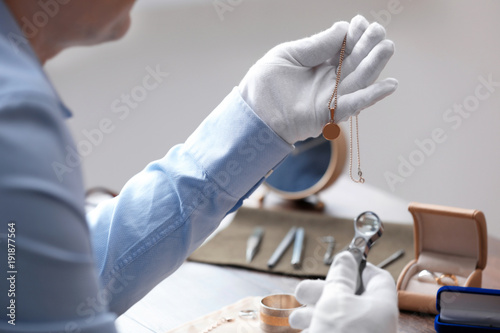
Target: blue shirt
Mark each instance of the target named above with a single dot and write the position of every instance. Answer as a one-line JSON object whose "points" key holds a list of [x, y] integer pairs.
{"points": [[73, 272]]}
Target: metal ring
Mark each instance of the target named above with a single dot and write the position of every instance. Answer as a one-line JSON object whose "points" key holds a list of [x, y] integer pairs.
{"points": [[451, 276], [247, 314]]}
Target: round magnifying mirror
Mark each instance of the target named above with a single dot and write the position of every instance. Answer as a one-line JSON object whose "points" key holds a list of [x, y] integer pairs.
{"points": [[314, 165]]}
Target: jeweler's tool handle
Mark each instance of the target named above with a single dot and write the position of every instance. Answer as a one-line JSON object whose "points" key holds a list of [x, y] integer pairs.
{"points": [[253, 243], [282, 247], [361, 286], [328, 257], [298, 248], [392, 258], [358, 256]]}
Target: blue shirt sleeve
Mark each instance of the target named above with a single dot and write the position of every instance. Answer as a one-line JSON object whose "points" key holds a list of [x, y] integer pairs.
{"points": [[166, 211]]}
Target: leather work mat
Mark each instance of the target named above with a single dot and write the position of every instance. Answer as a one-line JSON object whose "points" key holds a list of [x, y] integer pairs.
{"points": [[228, 247]]}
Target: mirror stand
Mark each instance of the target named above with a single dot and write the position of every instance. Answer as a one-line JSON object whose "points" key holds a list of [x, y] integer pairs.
{"points": [[312, 203]]}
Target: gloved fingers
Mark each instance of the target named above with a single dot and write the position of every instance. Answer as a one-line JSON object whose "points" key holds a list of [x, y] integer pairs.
{"points": [[309, 291], [357, 27], [351, 104], [372, 36], [342, 275], [314, 50], [301, 318], [378, 282], [380, 287], [369, 69], [372, 271]]}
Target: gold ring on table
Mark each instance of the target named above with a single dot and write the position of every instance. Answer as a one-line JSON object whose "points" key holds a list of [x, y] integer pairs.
{"points": [[275, 311], [451, 276]]}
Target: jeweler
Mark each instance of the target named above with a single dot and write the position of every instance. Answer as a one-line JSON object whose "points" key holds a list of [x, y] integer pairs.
{"points": [[167, 210]]}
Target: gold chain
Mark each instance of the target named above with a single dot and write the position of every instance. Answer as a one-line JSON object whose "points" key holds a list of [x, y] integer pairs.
{"points": [[335, 91], [361, 180], [219, 322], [330, 136]]}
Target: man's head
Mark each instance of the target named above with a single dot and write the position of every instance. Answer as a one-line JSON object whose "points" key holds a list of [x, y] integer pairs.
{"points": [[58, 24]]}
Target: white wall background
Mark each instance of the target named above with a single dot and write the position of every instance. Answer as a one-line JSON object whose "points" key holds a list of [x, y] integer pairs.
{"points": [[442, 48]]}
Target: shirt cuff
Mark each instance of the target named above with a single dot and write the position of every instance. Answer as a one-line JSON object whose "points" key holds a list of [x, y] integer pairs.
{"points": [[235, 147]]}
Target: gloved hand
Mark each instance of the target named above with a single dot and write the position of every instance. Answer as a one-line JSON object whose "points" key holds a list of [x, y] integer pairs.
{"points": [[289, 88], [333, 307]]}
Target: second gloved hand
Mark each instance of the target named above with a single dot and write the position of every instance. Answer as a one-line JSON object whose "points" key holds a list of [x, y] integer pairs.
{"points": [[333, 307], [289, 88]]}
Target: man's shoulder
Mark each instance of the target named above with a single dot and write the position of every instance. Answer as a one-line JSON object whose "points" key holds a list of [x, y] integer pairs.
{"points": [[19, 75], [22, 79]]}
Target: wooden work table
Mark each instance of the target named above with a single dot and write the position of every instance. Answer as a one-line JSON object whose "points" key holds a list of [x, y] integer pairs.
{"points": [[198, 289]]}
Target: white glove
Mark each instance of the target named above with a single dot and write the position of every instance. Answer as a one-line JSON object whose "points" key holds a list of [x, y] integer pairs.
{"points": [[333, 307], [289, 88]]}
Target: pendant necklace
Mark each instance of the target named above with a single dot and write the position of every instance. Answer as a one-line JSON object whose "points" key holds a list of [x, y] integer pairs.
{"points": [[331, 131]]}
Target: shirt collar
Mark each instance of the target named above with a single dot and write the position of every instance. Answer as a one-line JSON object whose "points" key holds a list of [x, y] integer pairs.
{"points": [[17, 54]]}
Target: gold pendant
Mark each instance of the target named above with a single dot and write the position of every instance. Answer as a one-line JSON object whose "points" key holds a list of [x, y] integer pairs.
{"points": [[331, 131]]}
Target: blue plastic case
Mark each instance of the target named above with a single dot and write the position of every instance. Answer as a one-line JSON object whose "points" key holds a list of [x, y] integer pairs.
{"points": [[490, 299]]}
